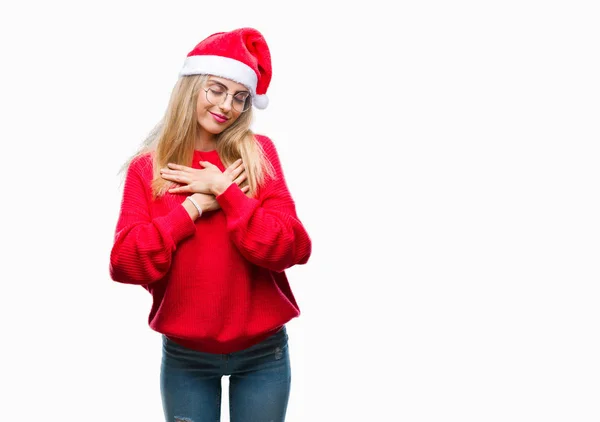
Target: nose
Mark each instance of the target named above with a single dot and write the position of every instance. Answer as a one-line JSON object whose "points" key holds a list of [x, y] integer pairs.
{"points": [[227, 103]]}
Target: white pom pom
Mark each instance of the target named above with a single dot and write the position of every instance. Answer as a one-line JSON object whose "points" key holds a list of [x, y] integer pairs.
{"points": [[261, 102]]}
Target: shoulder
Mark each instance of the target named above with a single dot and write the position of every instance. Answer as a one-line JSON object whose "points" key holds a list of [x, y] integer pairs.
{"points": [[141, 164], [265, 142], [271, 156], [268, 146]]}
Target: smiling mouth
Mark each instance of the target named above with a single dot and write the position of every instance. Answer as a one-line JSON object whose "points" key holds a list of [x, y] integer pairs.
{"points": [[219, 118]]}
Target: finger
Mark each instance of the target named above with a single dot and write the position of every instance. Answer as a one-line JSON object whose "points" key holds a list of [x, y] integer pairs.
{"points": [[177, 167], [233, 165], [245, 189], [206, 164], [240, 179], [238, 171], [176, 177], [171, 172], [167, 175], [233, 173], [180, 189]]}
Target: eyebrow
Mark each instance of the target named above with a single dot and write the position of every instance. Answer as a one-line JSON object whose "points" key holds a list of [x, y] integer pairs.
{"points": [[225, 86]]}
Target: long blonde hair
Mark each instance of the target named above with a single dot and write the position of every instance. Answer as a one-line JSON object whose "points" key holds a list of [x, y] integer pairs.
{"points": [[172, 140]]}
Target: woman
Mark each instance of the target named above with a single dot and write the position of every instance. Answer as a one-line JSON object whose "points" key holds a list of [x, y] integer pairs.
{"points": [[207, 225]]}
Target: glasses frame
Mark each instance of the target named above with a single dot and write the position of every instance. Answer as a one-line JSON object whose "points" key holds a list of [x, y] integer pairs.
{"points": [[225, 99]]}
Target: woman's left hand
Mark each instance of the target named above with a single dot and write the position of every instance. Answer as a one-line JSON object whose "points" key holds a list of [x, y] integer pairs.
{"points": [[208, 180]]}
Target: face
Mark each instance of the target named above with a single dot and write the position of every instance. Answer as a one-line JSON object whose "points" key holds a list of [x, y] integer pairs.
{"points": [[215, 117]]}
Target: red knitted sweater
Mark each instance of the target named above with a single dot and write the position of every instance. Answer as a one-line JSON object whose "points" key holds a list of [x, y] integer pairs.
{"points": [[218, 284]]}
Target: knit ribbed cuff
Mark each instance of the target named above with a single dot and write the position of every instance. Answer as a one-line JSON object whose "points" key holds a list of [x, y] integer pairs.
{"points": [[178, 223], [234, 203]]}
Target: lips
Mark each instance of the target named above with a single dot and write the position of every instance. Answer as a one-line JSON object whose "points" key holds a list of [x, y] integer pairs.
{"points": [[219, 118]]}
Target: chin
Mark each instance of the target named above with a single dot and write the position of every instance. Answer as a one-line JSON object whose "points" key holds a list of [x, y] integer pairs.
{"points": [[214, 131], [211, 127]]}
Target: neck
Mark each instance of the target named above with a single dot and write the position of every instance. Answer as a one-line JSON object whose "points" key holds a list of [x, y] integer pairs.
{"points": [[205, 141]]}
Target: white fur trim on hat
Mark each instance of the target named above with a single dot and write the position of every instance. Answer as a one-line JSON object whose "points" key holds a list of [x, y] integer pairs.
{"points": [[223, 67]]}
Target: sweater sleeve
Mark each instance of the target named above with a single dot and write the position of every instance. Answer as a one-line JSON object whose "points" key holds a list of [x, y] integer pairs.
{"points": [[143, 246], [266, 229]]}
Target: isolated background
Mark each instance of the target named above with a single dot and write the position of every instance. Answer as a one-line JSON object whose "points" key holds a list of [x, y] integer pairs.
{"points": [[443, 156]]}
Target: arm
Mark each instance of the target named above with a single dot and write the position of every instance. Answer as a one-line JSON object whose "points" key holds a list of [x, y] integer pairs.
{"points": [[143, 246], [266, 229]]}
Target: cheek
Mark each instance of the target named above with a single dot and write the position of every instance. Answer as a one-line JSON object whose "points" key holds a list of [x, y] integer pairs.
{"points": [[202, 114], [202, 105]]}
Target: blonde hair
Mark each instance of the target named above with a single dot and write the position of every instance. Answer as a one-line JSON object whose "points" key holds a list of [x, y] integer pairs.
{"points": [[172, 140]]}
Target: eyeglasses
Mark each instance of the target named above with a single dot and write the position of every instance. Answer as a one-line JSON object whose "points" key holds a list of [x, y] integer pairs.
{"points": [[216, 95]]}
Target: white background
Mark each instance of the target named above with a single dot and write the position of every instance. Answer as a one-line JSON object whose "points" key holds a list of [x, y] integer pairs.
{"points": [[442, 155]]}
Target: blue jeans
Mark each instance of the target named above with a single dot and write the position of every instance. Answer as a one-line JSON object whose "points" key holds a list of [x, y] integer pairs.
{"points": [[259, 382]]}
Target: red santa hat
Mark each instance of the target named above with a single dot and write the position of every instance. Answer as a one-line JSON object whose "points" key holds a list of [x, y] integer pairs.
{"points": [[241, 55]]}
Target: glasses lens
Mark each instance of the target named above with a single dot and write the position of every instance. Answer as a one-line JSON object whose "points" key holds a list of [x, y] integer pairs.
{"points": [[215, 97], [241, 102]]}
